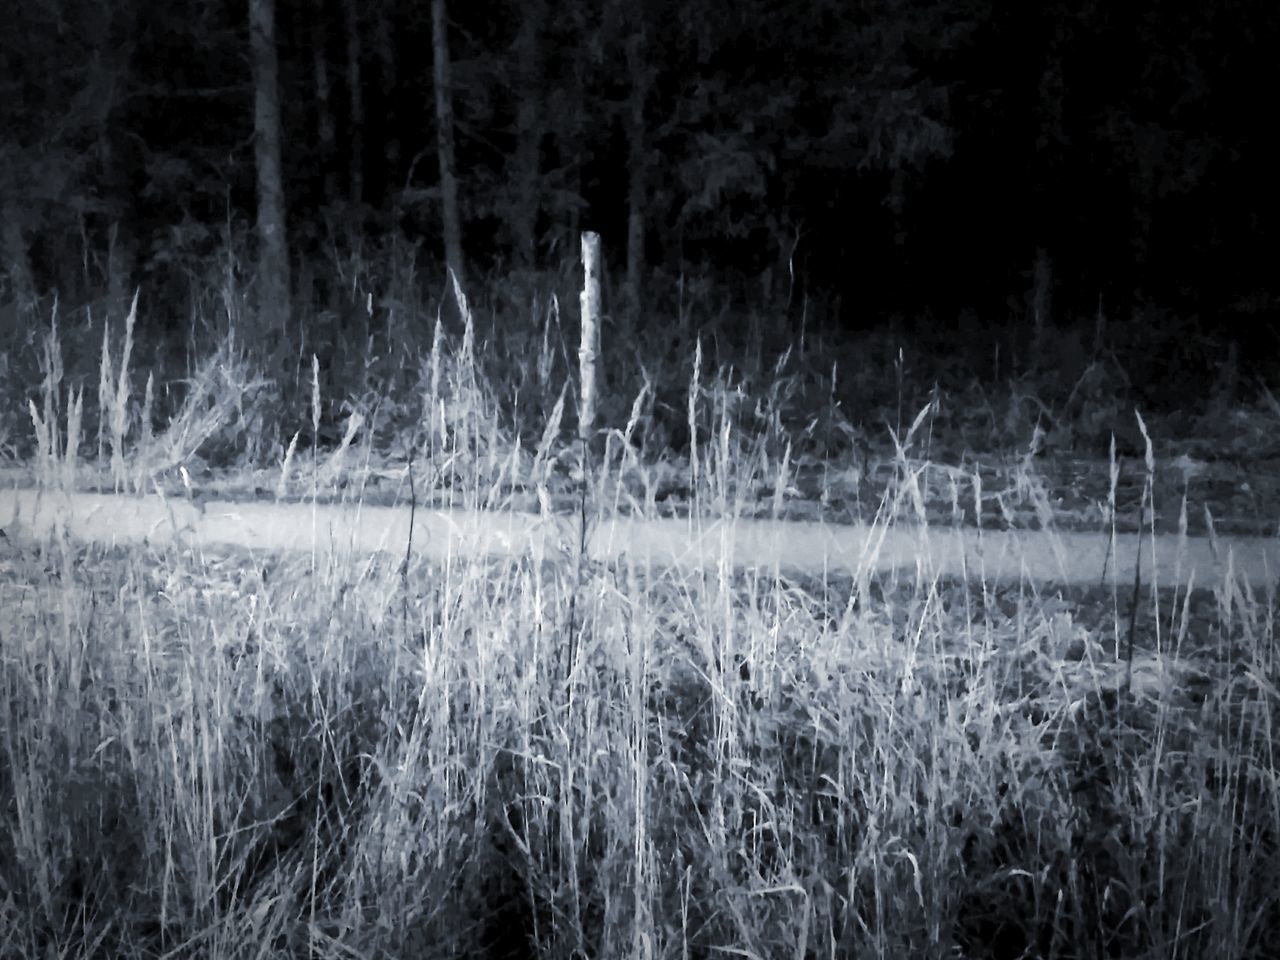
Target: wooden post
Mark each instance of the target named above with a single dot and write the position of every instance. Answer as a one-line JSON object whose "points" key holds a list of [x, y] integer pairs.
{"points": [[589, 348]]}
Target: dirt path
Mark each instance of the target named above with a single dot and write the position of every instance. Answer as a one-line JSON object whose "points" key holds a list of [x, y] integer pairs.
{"points": [[803, 547]]}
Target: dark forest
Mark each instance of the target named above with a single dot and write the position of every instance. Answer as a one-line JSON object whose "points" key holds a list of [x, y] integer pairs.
{"points": [[953, 162]]}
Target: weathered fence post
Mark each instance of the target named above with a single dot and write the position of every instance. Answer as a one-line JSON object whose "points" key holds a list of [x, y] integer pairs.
{"points": [[589, 348]]}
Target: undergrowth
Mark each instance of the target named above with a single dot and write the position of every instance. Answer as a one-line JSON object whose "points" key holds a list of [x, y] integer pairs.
{"points": [[344, 755]]}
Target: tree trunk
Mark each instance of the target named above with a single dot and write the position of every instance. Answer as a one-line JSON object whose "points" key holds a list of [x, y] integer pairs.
{"points": [[529, 131], [637, 162], [356, 107], [444, 133], [273, 248], [326, 126], [116, 147], [384, 43]]}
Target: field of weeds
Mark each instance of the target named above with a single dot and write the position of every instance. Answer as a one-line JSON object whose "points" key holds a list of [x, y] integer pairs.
{"points": [[334, 755]]}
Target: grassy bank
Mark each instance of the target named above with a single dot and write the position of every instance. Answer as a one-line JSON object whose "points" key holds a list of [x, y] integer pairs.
{"points": [[243, 756], [253, 756]]}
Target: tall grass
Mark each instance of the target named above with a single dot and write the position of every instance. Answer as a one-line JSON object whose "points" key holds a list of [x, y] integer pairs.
{"points": [[337, 755]]}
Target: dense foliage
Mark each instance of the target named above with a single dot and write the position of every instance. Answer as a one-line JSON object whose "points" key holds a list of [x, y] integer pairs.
{"points": [[944, 159]]}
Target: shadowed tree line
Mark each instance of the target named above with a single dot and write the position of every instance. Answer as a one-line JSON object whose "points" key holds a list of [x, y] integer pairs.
{"points": [[958, 162]]}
